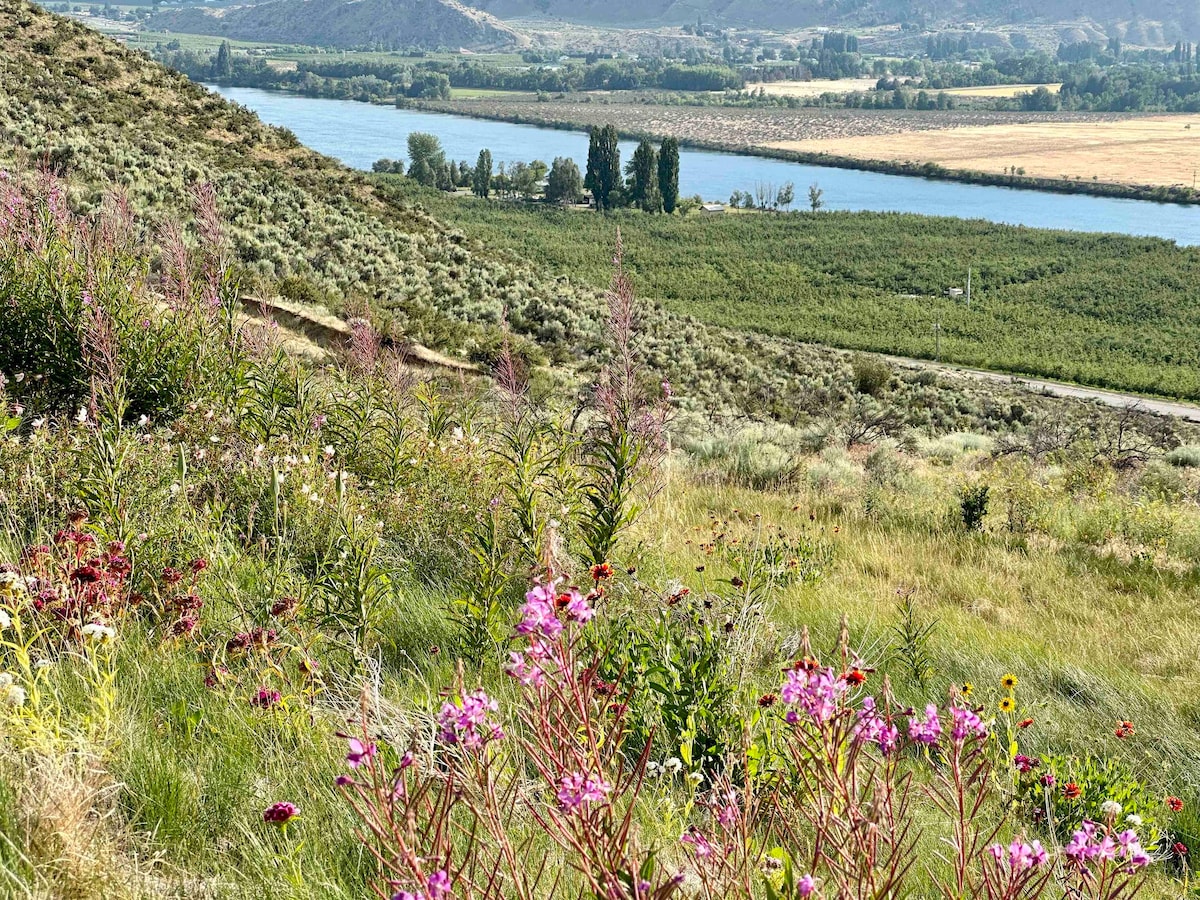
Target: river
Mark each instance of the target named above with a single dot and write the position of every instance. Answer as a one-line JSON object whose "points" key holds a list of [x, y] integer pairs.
{"points": [[358, 134]]}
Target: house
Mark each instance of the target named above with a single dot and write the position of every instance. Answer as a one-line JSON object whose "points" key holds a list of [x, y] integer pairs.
{"points": [[712, 209]]}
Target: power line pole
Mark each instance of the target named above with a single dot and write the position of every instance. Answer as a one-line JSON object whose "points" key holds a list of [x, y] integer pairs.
{"points": [[937, 332]]}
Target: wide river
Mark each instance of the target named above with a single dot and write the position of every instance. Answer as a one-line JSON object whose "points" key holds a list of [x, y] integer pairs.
{"points": [[358, 134]]}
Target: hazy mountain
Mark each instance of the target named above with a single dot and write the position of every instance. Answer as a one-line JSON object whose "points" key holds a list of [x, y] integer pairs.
{"points": [[1177, 16], [348, 23]]}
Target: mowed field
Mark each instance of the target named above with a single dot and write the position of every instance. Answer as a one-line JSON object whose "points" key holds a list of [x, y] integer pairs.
{"points": [[999, 90], [815, 88], [1158, 150]]}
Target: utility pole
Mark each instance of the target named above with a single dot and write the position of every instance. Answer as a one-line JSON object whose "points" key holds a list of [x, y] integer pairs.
{"points": [[937, 331], [968, 287]]}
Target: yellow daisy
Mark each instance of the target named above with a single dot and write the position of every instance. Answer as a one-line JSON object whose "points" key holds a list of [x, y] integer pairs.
{"points": [[1009, 681], [1007, 704], [967, 688]]}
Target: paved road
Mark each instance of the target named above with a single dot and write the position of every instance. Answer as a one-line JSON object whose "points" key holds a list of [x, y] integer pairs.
{"points": [[1188, 411]]}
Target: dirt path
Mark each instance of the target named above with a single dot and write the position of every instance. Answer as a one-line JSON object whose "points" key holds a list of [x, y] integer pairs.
{"points": [[1187, 411]]}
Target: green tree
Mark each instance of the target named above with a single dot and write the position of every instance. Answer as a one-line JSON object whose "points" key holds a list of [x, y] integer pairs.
{"points": [[223, 64], [565, 184], [643, 178], [668, 174], [604, 165], [481, 178], [816, 197], [426, 160]]}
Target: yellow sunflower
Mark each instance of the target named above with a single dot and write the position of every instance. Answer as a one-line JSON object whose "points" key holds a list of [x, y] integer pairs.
{"points": [[1009, 681], [966, 688], [1007, 704]]}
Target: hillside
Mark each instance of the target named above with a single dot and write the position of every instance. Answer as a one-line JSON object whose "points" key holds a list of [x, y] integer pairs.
{"points": [[1178, 16], [384, 24]]}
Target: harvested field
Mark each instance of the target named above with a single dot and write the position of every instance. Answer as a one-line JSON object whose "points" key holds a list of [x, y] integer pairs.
{"points": [[744, 128], [999, 90], [815, 88], [1159, 150]]}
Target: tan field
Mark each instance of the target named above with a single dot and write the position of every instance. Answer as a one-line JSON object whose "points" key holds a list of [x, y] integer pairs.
{"points": [[999, 90], [1158, 150], [815, 88]]}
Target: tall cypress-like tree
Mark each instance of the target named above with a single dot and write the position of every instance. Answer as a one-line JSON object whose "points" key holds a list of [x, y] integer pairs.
{"points": [[603, 166], [668, 174], [643, 177], [223, 64], [481, 178]]}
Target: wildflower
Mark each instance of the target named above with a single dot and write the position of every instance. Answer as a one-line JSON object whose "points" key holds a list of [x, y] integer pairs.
{"points": [[1133, 820], [528, 675], [1180, 848], [468, 724], [577, 791], [264, 698], [12, 694], [1009, 681], [538, 615], [1024, 723], [1124, 730], [602, 572], [673, 766], [816, 692], [965, 723], [101, 634], [438, 884], [280, 813], [5, 620], [171, 576], [198, 565], [284, 606], [806, 886], [359, 753], [1071, 791], [876, 729], [184, 626], [966, 689], [767, 700], [1110, 808], [1007, 704], [1025, 764], [926, 732], [1048, 779], [88, 574], [701, 846], [344, 781], [1174, 804], [854, 677]]}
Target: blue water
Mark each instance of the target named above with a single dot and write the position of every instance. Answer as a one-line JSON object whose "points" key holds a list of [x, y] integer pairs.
{"points": [[358, 134]]}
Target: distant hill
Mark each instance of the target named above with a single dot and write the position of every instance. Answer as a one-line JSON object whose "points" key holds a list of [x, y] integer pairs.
{"points": [[1178, 17], [348, 23]]}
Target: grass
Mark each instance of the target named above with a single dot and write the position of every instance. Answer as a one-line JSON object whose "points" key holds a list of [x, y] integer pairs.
{"points": [[1000, 90]]}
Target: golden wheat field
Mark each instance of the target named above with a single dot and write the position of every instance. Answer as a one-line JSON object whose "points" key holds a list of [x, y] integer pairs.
{"points": [[1000, 90], [1159, 150]]}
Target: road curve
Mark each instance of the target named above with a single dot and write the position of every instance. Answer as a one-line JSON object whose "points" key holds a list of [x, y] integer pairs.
{"points": [[1187, 411]]}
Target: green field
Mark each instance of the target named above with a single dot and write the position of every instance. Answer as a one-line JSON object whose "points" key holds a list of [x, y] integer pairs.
{"points": [[1103, 310]]}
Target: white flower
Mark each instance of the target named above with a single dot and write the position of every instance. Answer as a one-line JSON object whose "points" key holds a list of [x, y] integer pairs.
{"points": [[673, 766], [329, 450], [15, 695], [1110, 808], [10, 582], [81, 416], [6, 680], [5, 620], [695, 777], [653, 770], [143, 421], [1134, 820], [39, 422], [97, 632]]}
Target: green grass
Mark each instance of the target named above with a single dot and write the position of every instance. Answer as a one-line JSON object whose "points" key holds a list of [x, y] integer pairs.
{"points": [[1102, 310]]}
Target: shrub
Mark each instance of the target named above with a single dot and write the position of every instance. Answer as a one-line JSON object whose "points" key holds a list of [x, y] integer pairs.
{"points": [[1186, 457], [871, 373], [973, 504]]}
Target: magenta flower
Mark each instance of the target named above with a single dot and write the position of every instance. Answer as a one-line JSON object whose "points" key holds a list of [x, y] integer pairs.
{"points": [[468, 722], [701, 846], [438, 884], [816, 692], [806, 886], [528, 675], [927, 731], [538, 613], [576, 606], [875, 729], [965, 723], [359, 753], [280, 813], [577, 791], [265, 698]]}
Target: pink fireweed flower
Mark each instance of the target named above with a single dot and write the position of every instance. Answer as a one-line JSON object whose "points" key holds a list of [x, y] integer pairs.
{"points": [[280, 813], [576, 607], [407, 895], [359, 753], [438, 885], [965, 723], [1025, 764], [528, 675], [265, 698], [577, 791], [538, 615], [806, 886], [927, 731], [816, 692], [468, 723], [875, 729], [701, 846]]}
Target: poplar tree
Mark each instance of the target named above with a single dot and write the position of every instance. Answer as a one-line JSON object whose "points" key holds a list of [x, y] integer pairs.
{"points": [[643, 177], [668, 174], [481, 178], [603, 165]]}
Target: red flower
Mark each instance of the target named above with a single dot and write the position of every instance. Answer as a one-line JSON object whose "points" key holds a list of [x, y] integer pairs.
{"points": [[1025, 723], [280, 813], [88, 574], [1071, 791], [199, 565], [1180, 847], [767, 700], [854, 676], [1174, 804], [602, 571], [1124, 730], [171, 576]]}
